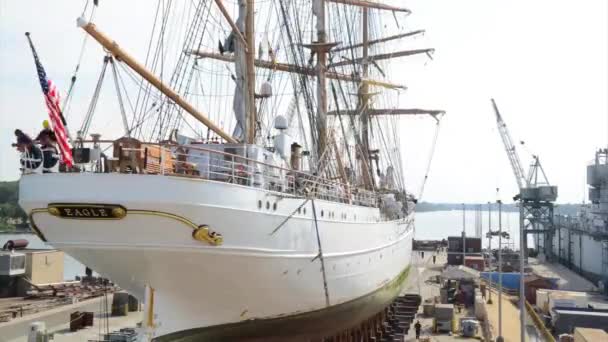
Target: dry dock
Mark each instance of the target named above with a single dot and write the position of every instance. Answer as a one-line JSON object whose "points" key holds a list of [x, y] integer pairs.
{"points": [[420, 281], [423, 269]]}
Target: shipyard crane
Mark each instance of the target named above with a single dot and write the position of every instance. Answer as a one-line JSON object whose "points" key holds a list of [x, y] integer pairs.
{"points": [[536, 202], [536, 194], [518, 171], [531, 187]]}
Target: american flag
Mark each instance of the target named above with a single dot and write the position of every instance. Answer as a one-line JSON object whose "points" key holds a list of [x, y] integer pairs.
{"points": [[51, 97]]}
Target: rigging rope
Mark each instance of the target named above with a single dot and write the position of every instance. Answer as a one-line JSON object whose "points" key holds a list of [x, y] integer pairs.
{"points": [[120, 101], [428, 165], [67, 100], [86, 124]]}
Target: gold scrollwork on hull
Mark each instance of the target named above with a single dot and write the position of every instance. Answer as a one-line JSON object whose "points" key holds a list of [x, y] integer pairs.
{"points": [[203, 233], [199, 232]]}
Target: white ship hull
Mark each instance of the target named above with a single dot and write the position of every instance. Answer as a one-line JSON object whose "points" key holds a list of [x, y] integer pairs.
{"points": [[254, 274]]}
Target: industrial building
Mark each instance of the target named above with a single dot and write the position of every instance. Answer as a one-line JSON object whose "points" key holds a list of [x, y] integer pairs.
{"points": [[20, 269]]}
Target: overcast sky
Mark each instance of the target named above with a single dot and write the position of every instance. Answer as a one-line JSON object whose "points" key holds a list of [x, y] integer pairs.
{"points": [[544, 61]]}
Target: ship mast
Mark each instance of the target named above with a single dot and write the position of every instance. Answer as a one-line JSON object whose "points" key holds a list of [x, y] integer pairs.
{"points": [[250, 74], [320, 48], [368, 180]]}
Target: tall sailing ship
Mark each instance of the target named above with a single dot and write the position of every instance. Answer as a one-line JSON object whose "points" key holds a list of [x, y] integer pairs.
{"points": [[298, 214]]}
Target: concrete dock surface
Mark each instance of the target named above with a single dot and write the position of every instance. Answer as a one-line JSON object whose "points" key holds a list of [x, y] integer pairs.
{"points": [[510, 320], [423, 268], [96, 332], [57, 321], [568, 280]]}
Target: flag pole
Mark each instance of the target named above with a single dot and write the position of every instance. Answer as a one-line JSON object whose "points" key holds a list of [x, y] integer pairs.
{"points": [[53, 106], [63, 121]]}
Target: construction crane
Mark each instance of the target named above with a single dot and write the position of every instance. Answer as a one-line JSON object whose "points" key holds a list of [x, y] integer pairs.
{"points": [[536, 205], [531, 188], [536, 194]]}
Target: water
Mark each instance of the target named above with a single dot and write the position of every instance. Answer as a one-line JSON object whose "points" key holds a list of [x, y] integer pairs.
{"points": [[434, 225], [437, 225], [71, 267]]}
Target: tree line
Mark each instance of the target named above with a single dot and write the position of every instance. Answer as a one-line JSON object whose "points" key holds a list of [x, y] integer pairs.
{"points": [[11, 213]]}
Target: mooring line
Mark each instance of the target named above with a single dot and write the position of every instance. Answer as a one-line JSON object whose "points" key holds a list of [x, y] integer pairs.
{"points": [[288, 217], [320, 255]]}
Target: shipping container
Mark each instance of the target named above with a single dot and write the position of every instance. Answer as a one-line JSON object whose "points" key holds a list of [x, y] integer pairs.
{"points": [[472, 244], [565, 321], [475, 262]]}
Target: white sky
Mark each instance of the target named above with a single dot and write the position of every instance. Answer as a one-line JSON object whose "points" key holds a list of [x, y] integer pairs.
{"points": [[544, 61]]}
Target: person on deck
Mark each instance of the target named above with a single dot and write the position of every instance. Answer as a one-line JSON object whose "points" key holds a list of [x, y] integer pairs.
{"points": [[46, 131], [31, 156], [50, 154]]}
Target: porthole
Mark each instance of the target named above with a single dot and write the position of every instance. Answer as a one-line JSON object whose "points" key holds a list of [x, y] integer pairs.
{"points": [[274, 206], [260, 204], [267, 205], [322, 213]]}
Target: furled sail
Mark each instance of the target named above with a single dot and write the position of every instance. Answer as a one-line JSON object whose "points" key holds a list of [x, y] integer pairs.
{"points": [[241, 88]]}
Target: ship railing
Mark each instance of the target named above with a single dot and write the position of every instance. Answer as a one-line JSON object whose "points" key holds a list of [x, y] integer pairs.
{"points": [[205, 163], [218, 165]]}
